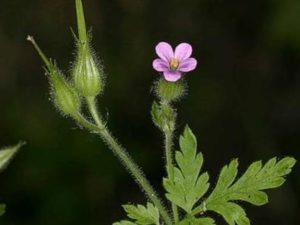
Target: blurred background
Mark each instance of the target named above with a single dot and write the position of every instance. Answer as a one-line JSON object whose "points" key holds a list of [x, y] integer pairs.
{"points": [[243, 101]]}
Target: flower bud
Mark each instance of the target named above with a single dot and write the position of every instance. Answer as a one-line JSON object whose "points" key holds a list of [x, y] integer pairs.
{"points": [[170, 91], [86, 73], [163, 116], [64, 95]]}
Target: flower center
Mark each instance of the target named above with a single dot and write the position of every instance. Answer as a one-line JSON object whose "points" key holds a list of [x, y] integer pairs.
{"points": [[174, 63]]}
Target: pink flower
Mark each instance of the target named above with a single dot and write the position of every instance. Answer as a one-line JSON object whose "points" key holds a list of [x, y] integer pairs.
{"points": [[174, 64]]}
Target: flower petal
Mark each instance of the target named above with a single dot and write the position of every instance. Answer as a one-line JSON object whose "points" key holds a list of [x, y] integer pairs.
{"points": [[164, 51], [183, 51], [160, 65], [172, 76], [188, 65]]}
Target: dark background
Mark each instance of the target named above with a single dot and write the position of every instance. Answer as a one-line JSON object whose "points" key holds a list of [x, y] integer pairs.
{"points": [[243, 101]]}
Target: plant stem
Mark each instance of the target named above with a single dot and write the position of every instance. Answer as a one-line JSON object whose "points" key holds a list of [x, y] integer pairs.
{"points": [[86, 124], [123, 156], [169, 160], [170, 171], [81, 22], [168, 130], [136, 173], [92, 107]]}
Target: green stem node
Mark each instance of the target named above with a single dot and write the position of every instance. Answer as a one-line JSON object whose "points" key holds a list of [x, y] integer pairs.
{"points": [[123, 156]]}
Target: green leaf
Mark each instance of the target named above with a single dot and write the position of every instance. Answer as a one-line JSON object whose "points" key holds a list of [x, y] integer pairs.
{"points": [[2, 209], [7, 154], [155, 113], [197, 221], [231, 212], [188, 185], [143, 215], [124, 222], [250, 188]]}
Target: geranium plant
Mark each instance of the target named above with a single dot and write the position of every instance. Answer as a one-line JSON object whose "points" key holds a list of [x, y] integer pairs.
{"points": [[189, 194]]}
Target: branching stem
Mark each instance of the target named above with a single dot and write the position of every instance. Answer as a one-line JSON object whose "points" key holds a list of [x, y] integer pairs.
{"points": [[123, 156], [93, 110]]}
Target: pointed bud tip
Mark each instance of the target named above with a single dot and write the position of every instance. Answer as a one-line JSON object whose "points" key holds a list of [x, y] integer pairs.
{"points": [[22, 143], [30, 38]]}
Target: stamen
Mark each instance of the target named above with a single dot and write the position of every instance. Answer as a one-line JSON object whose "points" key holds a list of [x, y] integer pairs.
{"points": [[174, 63]]}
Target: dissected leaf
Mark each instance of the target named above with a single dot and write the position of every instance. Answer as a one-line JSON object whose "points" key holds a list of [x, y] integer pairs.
{"points": [[141, 215], [6, 155], [124, 222], [231, 212], [188, 185], [197, 221], [250, 188]]}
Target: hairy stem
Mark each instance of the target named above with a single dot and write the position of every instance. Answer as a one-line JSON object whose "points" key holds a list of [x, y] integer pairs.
{"points": [[123, 156], [169, 157], [168, 131], [117, 149], [93, 110], [169, 162], [136, 173]]}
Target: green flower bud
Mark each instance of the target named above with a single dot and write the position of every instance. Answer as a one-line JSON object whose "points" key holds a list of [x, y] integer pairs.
{"points": [[169, 91], [86, 73], [65, 96], [163, 116]]}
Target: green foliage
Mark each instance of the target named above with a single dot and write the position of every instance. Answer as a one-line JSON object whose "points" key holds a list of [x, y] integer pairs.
{"points": [[6, 155], [141, 215], [248, 188], [197, 221], [187, 184], [190, 185], [124, 222]]}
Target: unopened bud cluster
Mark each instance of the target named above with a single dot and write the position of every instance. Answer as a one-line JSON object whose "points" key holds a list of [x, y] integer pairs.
{"points": [[163, 114], [86, 82], [87, 75]]}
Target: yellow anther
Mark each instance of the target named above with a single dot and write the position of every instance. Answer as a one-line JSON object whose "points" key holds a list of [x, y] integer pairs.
{"points": [[174, 63]]}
